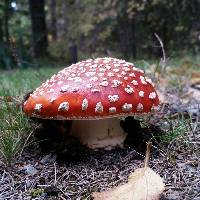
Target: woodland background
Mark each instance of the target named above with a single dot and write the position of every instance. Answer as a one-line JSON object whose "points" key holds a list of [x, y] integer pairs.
{"points": [[72, 30], [38, 38]]}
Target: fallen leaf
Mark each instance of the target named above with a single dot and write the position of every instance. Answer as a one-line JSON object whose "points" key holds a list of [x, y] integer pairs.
{"points": [[143, 184]]}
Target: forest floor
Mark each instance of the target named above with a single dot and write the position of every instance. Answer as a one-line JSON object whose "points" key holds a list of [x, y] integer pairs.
{"points": [[45, 170]]}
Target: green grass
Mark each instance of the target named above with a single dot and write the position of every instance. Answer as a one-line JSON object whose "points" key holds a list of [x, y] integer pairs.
{"points": [[176, 130], [18, 82], [14, 126]]}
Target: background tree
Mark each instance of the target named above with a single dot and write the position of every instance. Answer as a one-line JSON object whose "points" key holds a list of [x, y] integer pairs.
{"points": [[39, 31], [52, 9], [7, 9], [73, 30]]}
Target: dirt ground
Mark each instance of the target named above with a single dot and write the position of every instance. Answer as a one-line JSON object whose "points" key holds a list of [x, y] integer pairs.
{"points": [[75, 173]]}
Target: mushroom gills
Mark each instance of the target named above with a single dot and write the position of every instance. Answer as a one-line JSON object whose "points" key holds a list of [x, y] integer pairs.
{"points": [[99, 134]]}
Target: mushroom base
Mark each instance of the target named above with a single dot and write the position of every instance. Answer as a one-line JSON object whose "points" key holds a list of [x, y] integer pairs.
{"points": [[96, 134]]}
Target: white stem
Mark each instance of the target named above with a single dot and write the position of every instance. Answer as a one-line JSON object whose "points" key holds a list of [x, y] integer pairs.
{"points": [[102, 133]]}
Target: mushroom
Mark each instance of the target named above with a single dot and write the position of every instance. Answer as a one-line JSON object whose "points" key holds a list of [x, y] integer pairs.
{"points": [[93, 94]]}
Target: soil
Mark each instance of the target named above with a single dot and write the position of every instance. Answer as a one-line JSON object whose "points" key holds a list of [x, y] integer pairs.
{"points": [[74, 172]]}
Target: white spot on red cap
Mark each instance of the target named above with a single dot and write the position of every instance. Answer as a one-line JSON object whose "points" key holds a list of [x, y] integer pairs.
{"points": [[125, 78], [130, 64], [96, 60], [85, 104], [134, 82], [81, 64], [52, 99], [92, 70], [129, 89], [87, 64], [99, 107], [108, 67], [139, 107], [104, 83], [116, 83], [73, 75], [106, 61], [70, 79], [63, 106], [138, 70], [126, 69], [116, 65], [152, 95], [101, 74], [150, 81], [41, 92], [123, 73], [112, 109], [75, 89], [59, 82], [110, 74], [141, 93], [116, 70], [89, 85], [95, 90], [143, 81], [94, 66], [38, 107], [78, 79], [113, 98], [127, 107], [102, 69], [126, 64], [88, 74], [132, 75], [64, 88], [83, 70], [50, 91], [94, 79]]}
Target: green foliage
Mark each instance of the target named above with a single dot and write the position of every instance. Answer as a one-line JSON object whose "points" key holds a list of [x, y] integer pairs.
{"points": [[12, 85], [13, 132], [176, 131], [14, 126], [6, 61], [36, 192], [100, 28], [14, 35]]}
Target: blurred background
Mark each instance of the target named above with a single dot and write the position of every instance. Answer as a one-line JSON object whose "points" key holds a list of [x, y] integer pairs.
{"points": [[70, 30]]}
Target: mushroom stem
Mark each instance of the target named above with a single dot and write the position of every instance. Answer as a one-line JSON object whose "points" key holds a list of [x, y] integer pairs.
{"points": [[95, 134]]}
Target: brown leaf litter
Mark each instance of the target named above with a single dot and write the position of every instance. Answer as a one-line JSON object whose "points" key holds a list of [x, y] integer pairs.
{"points": [[143, 184]]}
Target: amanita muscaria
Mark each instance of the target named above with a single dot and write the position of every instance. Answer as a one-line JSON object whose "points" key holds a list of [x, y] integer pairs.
{"points": [[94, 93]]}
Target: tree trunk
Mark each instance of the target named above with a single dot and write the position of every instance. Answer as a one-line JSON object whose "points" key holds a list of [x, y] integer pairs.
{"points": [[6, 20], [73, 52], [39, 32], [1, 31], [127, 37], [133, 39], [53, 19]]}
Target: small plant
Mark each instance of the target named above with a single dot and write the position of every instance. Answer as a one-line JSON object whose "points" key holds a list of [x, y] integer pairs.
{"points": [[36, 192], [177, 130], [13, 131]]}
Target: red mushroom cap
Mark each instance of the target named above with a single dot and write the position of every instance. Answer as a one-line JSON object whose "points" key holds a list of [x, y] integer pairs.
{"points": [[91, 89]]}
